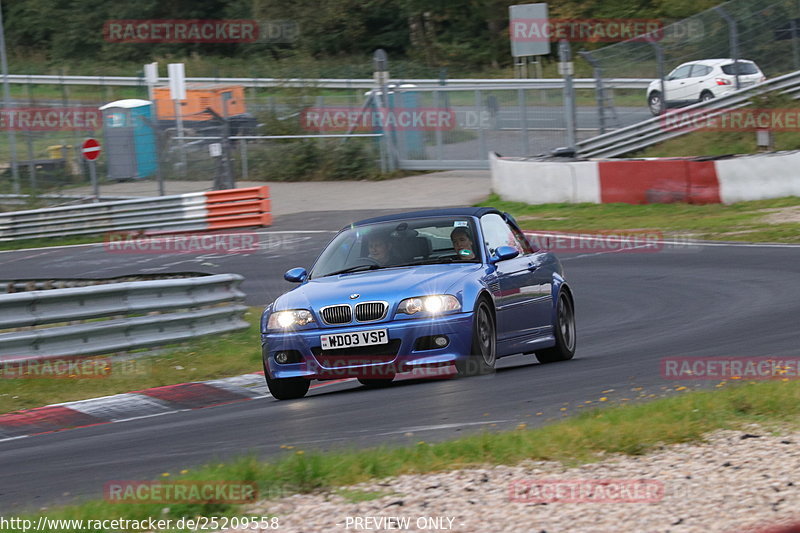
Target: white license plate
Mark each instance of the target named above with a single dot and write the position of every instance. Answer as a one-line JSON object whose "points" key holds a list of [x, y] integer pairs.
{"points": [[336, 341]]}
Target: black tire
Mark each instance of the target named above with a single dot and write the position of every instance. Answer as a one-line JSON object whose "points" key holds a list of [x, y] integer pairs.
{"points": [[483, 352], [286, 388], [564, 330], [706, 96], [655, 103], [376, 383]]}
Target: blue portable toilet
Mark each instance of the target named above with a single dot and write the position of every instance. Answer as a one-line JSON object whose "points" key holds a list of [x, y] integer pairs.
{"points": [[130, 139]]}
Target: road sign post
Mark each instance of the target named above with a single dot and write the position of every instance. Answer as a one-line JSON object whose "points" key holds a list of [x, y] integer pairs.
{"points": [[91, 151], [177, 89]]}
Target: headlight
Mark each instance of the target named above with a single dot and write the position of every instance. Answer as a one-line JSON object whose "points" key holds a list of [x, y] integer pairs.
{"points": [[437, 303], [287, 319]]}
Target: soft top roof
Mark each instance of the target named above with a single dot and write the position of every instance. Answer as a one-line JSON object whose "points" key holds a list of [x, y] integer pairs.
{"points": [[453, 211]]}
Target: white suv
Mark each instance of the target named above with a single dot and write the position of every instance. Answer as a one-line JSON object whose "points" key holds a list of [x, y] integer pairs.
{"points": [[697, 81]]}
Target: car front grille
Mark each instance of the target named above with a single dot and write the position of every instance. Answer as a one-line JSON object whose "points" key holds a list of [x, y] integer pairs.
{"points": [[337, 314], [370, 311], [362, 355]]}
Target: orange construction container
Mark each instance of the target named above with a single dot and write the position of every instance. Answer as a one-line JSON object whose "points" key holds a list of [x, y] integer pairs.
{"points": [[199, 97]]}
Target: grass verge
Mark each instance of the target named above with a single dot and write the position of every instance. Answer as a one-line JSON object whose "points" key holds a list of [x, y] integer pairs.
{"points": [[630, 429], [756, 221], [203, 359]]}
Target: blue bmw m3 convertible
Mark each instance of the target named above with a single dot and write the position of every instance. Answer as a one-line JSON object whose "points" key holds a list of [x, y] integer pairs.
{"points": [[449, 287]]}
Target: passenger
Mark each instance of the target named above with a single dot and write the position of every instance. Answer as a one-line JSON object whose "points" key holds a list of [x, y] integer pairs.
{"points": [[462, 243]]}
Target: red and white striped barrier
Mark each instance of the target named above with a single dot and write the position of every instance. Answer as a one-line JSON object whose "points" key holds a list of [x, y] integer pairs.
{"points": [[197, 211], [644, 181]]}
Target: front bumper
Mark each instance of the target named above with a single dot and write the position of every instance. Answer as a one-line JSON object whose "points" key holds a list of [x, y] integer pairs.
{"points": [[336, 364]]}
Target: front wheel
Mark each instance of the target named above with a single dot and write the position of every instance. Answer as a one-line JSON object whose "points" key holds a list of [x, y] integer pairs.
{"points": [[286, 388], [483, 351], [655, 103], [564, 332]]}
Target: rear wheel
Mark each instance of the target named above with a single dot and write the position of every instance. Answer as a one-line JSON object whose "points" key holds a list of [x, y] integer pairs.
{"points": [[483, 351], [564, 332], [706, 96], [286, 388]]}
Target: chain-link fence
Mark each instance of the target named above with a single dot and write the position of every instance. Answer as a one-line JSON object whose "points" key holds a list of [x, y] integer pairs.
{"points": [[229, 133], [45, 126], [767, 33]]}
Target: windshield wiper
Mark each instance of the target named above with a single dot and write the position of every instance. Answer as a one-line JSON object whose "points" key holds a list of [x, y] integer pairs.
{"points": [[431, 261], [355, 268]]}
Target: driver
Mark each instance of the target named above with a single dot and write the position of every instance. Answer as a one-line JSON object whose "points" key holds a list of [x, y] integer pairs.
{"points": [[462, 243], [381, 250]]}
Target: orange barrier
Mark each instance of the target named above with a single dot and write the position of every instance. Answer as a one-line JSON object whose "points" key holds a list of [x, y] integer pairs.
{"points": [[240, 221], [235, 195], [238, 208]]}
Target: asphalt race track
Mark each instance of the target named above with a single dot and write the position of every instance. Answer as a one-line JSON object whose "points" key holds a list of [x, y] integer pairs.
{"points": [[632, 309]]}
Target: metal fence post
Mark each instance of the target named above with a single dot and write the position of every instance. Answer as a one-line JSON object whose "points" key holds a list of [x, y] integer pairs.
{"points": [[565, 58], [243, 150], [12, 138], [733, 40], [481, 132], [523, 115], [599, 90], [438, 132], [660, 67]]}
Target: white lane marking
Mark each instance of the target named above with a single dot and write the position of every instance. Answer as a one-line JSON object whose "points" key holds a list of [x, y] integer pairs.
{"points": [[398, 431], [441, 426]]}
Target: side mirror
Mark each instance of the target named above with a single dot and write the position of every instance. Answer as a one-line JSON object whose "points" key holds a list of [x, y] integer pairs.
{"points": [[296, 275], [505, 252]]}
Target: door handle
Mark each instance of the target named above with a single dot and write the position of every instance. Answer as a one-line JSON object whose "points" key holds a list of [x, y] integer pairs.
{"points": [[533, 266]]}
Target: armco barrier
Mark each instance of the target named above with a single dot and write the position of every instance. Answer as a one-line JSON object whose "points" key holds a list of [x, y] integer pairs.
{"points": [[153, 313], [643, 181], [198, 211]]}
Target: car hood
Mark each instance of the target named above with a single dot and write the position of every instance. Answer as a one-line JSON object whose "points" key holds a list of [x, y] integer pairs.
{"points": [[391, 285]]}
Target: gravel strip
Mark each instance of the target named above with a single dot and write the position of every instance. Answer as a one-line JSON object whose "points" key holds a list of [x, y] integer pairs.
{"points": [[736, 481]]}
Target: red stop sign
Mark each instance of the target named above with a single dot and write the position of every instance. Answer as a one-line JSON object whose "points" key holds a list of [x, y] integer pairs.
{"points": [[90, 149]]}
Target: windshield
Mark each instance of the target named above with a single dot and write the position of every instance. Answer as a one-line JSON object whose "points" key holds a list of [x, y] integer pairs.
{"points": [[400, 243]]}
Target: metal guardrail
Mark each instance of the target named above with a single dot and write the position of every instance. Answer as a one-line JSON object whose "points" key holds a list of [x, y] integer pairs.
{"points": [[26, 285], [169, 311], [654, 130], [184, 212], [335, 83]]}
